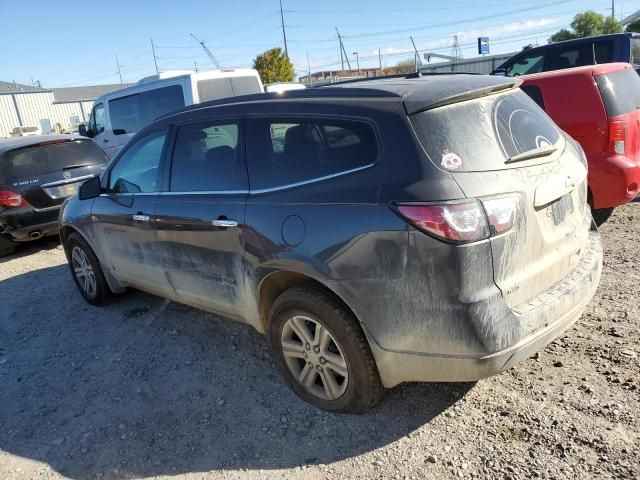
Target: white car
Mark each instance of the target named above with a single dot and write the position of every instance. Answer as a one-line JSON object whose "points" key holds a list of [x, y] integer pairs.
{"points": [[26, 131], [281, 87]]}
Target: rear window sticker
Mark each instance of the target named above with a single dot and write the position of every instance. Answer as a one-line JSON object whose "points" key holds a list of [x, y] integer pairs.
{"points": [[450, 160]]}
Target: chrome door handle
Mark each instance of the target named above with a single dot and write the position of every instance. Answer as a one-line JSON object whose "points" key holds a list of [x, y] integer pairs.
{"points": [[224, 223], [141, 218]]}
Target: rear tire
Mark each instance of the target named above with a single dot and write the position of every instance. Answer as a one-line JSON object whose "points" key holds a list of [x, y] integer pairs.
{"points": [[328, 362], [7, 247], [86, 271], [601, 215]]}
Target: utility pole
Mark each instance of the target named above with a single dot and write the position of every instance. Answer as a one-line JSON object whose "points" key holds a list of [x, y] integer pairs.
{"points": [[416, 58], [343, 52], [195, 65], [284, 33], [357, 60], [155, 60], [309, 77], [340, 48], [119, 72], [380, 61], [613, 9]]}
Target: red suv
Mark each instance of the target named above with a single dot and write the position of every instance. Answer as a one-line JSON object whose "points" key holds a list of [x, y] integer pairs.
{"points": [[598, 105]]}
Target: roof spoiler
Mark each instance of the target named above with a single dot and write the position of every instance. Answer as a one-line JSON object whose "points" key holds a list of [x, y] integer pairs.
{"points": [[413, 105]]}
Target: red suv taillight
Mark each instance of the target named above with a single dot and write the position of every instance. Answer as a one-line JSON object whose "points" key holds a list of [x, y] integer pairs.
{"points": [[616, 136], [463, 222], [9, 199]]}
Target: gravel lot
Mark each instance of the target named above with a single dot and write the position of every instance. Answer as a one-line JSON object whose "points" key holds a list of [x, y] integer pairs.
{"points": [[147, 388]]}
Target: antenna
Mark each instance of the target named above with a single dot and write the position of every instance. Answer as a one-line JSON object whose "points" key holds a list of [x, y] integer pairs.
{"points": [[206, 50]]}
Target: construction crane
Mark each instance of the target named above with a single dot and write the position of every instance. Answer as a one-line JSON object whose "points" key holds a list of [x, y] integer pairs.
{"points": [[206, 50], [429, 56]]}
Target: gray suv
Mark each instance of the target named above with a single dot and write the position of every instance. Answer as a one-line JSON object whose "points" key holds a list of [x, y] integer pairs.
{"points": [[378, 232]]}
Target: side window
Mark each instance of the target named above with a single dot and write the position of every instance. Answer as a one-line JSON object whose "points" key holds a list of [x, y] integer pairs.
{"points": [[138, 169], [205, 158], [603, 50], [535, 94], [98, 120], [282, 152], [574, 56], [526, 65], [129, 114]]}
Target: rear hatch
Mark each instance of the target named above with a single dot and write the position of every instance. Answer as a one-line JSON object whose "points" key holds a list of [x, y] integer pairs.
{"points": [[47, 173], [504, 145], [620, 92]]}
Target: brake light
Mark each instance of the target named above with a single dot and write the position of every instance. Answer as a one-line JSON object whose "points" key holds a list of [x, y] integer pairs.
{"points": [[9, 199], [463, 222], [457, 222], [616, 136]]}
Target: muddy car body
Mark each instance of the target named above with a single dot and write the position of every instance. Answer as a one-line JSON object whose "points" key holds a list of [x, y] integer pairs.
{"points": [[405, 221]]}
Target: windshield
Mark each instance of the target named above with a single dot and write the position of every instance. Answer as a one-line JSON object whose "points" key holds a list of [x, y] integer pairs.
{"points": [[44, 159], [484, 134], [620, 91]]}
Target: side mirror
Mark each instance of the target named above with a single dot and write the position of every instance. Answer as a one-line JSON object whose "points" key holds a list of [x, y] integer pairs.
{"points": [[90, 189], [82, 130]]}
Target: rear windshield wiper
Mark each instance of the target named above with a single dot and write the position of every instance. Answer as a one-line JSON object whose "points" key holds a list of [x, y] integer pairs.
{"points": [[79, 165], [535, 153]]}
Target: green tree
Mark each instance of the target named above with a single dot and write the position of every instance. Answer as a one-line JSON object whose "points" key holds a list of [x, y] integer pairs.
{"points": [[274, 66], [587, 24], [633, 26]]}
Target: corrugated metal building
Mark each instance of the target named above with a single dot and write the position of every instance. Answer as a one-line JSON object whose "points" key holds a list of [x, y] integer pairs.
{"points": [[483, 65], [58, 109]]}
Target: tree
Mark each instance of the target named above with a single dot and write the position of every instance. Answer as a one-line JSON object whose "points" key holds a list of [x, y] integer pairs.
{"points": [[404, 66], [587, 24], [274, 66], [633, 26]]}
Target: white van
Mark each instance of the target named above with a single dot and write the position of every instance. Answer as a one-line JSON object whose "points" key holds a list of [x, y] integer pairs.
{"points": [[116, 116]]}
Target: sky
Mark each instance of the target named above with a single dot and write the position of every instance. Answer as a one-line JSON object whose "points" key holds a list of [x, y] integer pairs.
{"points": [[76, 43]]}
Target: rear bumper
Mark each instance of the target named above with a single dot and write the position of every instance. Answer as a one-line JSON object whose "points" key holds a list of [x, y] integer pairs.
{"points": [[24, 226], [613, 180], [555, 309]]}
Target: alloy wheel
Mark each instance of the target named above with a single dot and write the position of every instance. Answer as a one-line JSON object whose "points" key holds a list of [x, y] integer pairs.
{"points": [[314, 357], [83, 271]]}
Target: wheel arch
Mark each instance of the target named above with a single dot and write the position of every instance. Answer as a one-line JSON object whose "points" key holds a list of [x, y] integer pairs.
{"points": [[277, 282]]}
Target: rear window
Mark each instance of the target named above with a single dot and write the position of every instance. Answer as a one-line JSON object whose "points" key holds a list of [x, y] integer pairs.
{"points": [[481, 134], [620, 91], [129, 114], [215, 88], [42, 160]]}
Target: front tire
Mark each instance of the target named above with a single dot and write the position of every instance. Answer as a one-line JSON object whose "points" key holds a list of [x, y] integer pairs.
{"points": [[322, 351], [86, 271]]}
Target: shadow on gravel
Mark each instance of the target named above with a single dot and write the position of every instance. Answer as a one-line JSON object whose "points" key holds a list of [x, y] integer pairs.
{"points": [[29, 248], [145, 387]]}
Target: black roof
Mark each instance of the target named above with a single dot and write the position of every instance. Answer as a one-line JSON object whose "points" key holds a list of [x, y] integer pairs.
{"points": [[16, 143], [417, 92]]}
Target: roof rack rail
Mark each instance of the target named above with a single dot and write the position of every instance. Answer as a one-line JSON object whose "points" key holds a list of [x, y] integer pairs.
{"points": [[409, 75]]}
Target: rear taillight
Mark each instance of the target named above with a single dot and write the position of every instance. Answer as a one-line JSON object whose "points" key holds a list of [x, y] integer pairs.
{"points": [[501, 213], [457, 222], [616, 136], [9, 199], [462, 222]]}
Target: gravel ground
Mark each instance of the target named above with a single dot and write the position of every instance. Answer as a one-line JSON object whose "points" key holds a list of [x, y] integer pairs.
{"points": [[147, 388]]}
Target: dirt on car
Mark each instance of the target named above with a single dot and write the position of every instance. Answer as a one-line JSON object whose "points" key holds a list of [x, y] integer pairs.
{"points": [[146, 388]]}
